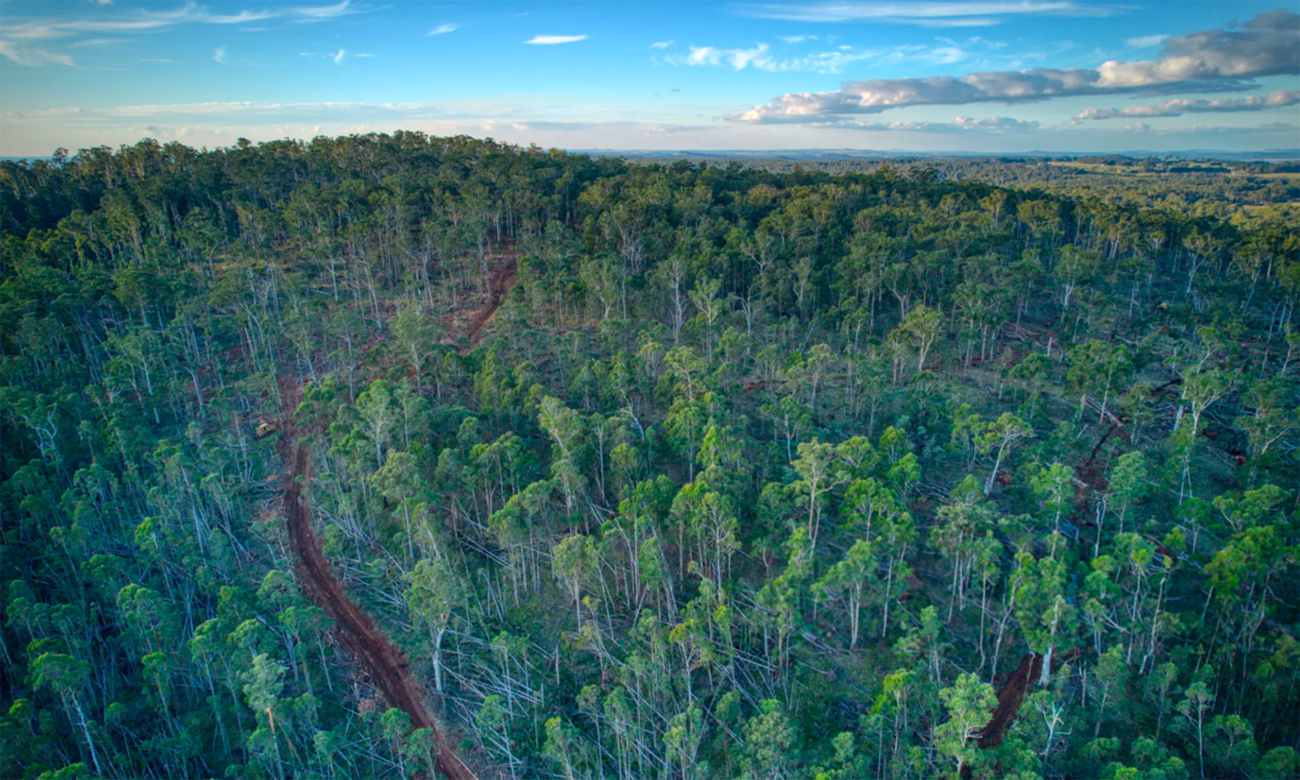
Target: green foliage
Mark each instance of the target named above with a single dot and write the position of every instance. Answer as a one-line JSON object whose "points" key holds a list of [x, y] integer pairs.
{"points": [[778, 475]]}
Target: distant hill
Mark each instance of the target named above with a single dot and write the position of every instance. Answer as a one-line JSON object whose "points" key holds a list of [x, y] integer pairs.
{"points": [[888, 154]]}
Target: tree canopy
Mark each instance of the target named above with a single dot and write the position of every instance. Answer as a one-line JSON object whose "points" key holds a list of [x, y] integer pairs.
{"points": [[679, 470]]}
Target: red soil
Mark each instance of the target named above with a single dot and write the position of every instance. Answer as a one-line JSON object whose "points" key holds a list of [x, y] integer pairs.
{"points": [[500, 280]]}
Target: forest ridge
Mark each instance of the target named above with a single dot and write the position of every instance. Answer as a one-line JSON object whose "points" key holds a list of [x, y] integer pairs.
{"points": [[390, 456]]}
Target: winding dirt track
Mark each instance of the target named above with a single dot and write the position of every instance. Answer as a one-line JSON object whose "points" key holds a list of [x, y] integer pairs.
{"points": [[500, 280], [354, 628]]}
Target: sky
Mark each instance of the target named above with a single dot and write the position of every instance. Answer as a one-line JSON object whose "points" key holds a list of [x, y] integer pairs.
{"points": [[983, 76]]}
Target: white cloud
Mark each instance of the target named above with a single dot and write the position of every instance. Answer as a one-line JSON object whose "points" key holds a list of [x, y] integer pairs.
{"points": [[1271, 127], [962, 124], [1219, 60], [930, 14], [994, 123], [337, 57], [444, 28], [662, 44], [90, 43], [32, 56], [836, 60], [551, 40], [219, 55], [632, 127], [839, 58], [194, 112], [883, 127], [946, 55], [738, 59], [1146, 41], [832, 61], [335, 115], [1177, 107], [144, 20], [796, 38], [44, 113], [323, 13], [759, 57], [18, 29]]}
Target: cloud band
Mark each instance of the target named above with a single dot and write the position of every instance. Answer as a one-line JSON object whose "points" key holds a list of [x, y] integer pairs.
{"points": [[1219, 60]]}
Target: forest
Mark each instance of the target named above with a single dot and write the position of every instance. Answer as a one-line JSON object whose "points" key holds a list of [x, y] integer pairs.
{"points": [[405, 456], [1217, 188]]}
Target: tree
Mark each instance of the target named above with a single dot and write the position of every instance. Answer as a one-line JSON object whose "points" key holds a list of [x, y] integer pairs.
{"points": [[686, 426], [705, 298], [1195, 706], [1128, 484], [1200, 391], [1076, 267], [66, 676], [566, 749], [818, 476], [400, 481], [853, 576], [263, 683], [711, 521], [1274, 414], [433, 592], [575, 562], [1231, 745], [922, 327], [770, 741], [847, 763], [1111, 679], [779, 598], [418, 335], [1096, 367], [492, 726], [671, 275], [1201, 248], [566, 429], [1053, 486], [380, 412], [685, 732], [999, 436], [969, 703], [962, 521], [791, 420], [1045, 614], [1241, 575]]}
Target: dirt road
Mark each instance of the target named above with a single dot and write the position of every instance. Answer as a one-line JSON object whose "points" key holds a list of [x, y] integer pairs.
{"points": [[1009, 699], [500, 282], [354, 628]]}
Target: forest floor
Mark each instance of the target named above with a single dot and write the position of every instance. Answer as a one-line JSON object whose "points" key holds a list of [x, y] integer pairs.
{"points": [[373, 651]]}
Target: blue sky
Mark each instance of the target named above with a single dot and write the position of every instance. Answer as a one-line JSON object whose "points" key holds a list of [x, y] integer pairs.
{"points": [[980, 75]]}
